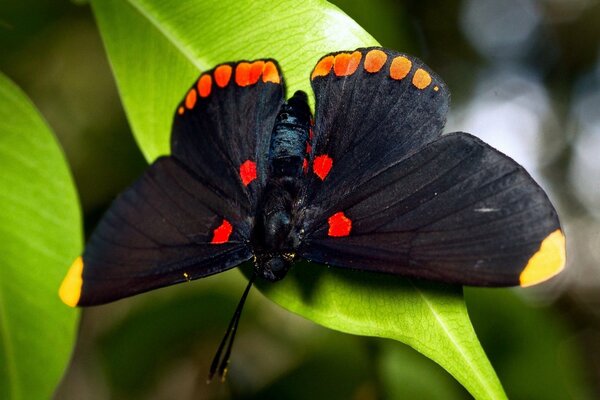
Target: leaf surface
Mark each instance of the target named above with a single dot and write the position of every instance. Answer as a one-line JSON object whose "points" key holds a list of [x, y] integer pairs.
{"points": [[40, 235]]}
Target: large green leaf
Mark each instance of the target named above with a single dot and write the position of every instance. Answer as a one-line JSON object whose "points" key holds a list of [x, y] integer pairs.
{"points": [[40, 234], [156, 49]]}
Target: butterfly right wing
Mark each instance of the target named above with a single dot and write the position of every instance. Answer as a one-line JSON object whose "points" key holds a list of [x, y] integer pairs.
{"points": [[387, 193]]}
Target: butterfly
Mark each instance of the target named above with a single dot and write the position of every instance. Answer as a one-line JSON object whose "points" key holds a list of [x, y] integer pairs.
{"points": [[370, 183]]}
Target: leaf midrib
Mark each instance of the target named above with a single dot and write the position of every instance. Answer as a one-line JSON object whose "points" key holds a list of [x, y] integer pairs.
{"points": [[453, 340]]}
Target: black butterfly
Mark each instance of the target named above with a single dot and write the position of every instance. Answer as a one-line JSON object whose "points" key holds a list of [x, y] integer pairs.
{"points": [[369, 184]]}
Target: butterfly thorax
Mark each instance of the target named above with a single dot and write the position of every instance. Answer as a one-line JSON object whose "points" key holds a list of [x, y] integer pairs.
{"points": [[274, 239]]}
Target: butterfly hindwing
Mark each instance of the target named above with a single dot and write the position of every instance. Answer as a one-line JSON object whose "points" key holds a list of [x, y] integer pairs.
{"points": [[168, 227], [222, 128], [457, 211]]}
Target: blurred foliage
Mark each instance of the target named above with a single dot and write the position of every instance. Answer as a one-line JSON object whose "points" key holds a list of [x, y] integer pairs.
{"points": [[532, 348], [544, 342]]}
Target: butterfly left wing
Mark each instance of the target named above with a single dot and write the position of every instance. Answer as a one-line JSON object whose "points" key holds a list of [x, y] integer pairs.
{"points": [[456, 211], [168, 227]]}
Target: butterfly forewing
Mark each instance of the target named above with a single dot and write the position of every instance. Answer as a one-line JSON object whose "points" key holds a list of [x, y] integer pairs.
{"points": [[373, 106], [222, 128]]}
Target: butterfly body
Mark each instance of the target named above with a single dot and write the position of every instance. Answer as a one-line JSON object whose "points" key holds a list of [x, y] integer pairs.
{"points": [[275, 235]]}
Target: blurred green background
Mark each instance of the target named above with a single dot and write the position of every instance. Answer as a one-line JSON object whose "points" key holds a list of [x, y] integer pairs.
{"points": [[524, 76]]}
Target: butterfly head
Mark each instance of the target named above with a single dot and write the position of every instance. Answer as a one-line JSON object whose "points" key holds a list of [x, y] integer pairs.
{"points": [[273, 267]]}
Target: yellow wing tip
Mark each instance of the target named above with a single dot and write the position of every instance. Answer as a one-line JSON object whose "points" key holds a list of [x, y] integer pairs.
{"points": [[70, 288], [547, 262]]}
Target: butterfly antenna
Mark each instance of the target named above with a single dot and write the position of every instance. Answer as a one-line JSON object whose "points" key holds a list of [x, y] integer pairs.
{"points": [[221, 363]]}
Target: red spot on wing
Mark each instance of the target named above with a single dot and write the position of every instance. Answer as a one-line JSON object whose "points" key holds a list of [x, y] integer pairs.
{"points": [[222, 75], [305, 165], [322, 165], [346, 64], [222, 233], [190, 99], [323, 67], [248, 172], [242, 74], [256, 70], [339, 225], [308, 148], [204, 85]]}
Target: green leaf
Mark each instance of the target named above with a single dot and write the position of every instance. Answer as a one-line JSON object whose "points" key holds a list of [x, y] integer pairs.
{"points": [[156, 49], [431, 318], [40, 235]]}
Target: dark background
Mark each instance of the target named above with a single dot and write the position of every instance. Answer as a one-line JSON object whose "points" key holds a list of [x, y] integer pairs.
{"points": [[524, 76]]}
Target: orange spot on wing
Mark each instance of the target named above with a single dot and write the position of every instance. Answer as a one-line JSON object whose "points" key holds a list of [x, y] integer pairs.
{"points": [[421, 79], [548, 261], [256, 70], [190, 99], [180, 110], [242, 74], [248, 172], [346, 64], [222, 233], [323, 67], [270, 73], [322, 165], [375, 60], [222, 75], [204, 85], [400, 67], [339, 225]]}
